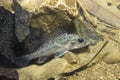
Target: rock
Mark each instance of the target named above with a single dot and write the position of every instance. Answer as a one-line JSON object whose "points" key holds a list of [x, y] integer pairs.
{"points": [[7, 5], [50, 13], [112, 58], [8, 74], [8, 40], [99, 8], [36, 6], [112, 53], [64, 11], [71, 58], [44, 72]]}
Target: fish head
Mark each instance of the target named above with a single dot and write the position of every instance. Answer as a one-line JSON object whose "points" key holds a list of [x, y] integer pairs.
{"points": [[76, 42], [71, 41]]}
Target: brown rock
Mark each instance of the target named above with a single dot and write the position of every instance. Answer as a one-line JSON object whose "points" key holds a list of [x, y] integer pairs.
{"points": [[44, 72], [47, 13]]}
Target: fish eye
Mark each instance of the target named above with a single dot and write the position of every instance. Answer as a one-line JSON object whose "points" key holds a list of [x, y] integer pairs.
{"points": [[80, 40]]}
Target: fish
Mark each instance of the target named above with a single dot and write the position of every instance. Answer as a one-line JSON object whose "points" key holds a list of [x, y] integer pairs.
{"points": [[59, 46]]}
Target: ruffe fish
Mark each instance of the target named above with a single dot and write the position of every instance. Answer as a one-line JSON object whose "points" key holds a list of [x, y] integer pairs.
{"points": [[58, 46]]}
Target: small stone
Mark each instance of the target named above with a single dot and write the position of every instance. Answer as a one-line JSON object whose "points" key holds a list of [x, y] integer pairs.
{"points": [[109, 4], [51, 79], [71, 58], [112, 58], [74, 61], [118, 7]]}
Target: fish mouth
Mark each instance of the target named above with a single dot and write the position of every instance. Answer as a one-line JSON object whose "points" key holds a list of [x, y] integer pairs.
{"points": [[81, 45], [86, 43]]}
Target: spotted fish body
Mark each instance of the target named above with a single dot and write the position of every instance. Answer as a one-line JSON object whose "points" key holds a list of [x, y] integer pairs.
{"points": [[63, 42]]}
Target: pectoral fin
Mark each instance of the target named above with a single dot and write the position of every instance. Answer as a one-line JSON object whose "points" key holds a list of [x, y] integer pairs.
{"points": [[44, 59], [60, 53]]}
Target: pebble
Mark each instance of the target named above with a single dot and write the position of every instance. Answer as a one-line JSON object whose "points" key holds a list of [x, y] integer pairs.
{"points": [[112, 58], [118, 7], [112, 53], [71, 58]]}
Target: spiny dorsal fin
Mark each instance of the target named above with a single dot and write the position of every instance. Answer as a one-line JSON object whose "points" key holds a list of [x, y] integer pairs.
{"points": [[22, 18]]}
